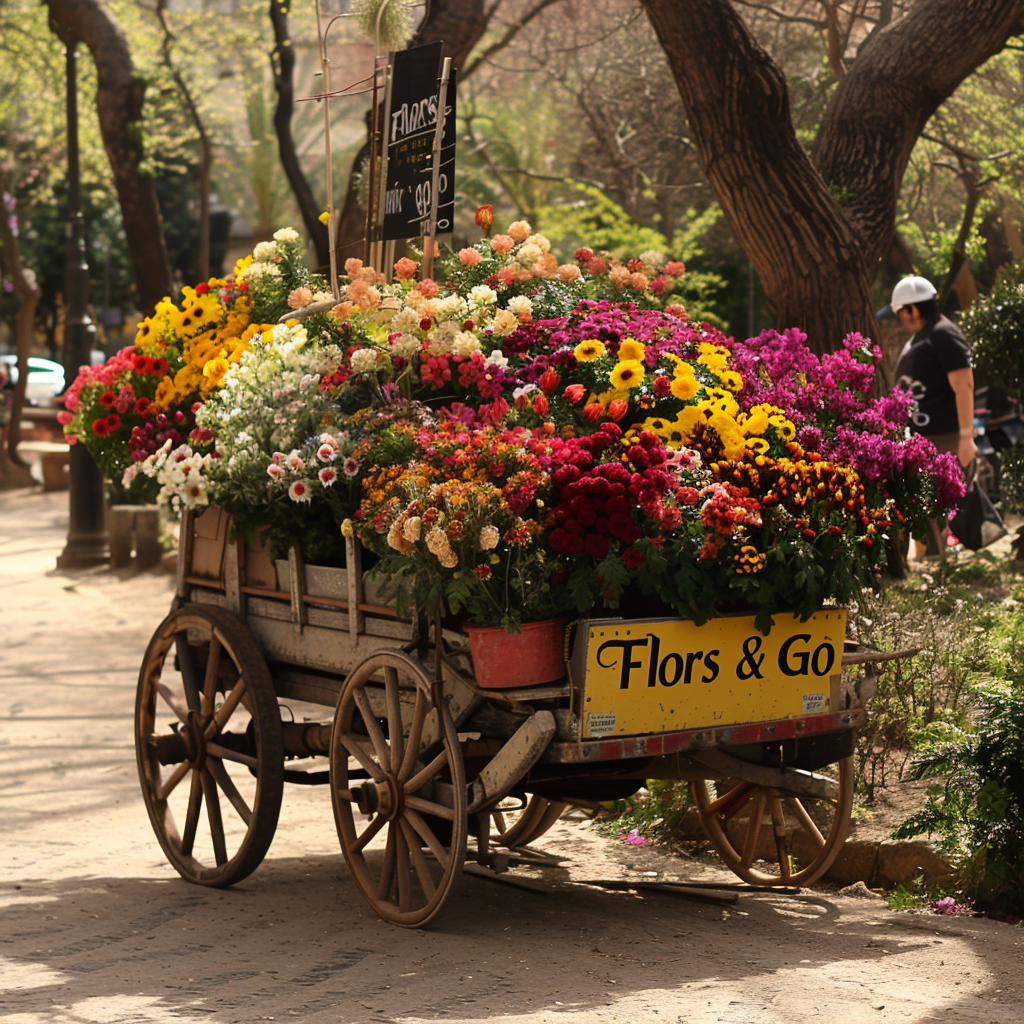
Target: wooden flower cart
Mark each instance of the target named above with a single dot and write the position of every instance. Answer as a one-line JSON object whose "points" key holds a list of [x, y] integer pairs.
{"points": [[264, 672]]}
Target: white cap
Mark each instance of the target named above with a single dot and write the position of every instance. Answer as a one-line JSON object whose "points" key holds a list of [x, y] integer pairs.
{"points": [[910, 291]]}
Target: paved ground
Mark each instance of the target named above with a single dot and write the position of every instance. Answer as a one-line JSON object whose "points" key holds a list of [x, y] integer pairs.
{"points": [[96, 928]]}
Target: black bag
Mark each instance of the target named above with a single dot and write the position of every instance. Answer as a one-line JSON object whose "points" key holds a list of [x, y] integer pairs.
{"points": [[977, 523]]}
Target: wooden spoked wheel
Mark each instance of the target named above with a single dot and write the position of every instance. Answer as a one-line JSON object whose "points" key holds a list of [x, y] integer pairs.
{"points": [[521, 826], [399, 789], [208, 745], [770, 836]]}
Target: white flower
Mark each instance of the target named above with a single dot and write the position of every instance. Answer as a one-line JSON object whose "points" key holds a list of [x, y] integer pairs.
{"points": [[529, 254], [520, 304], [653, 257], [496, 358], [295, 461], [364, 360], [275, 471], [327, 476], [406, 319], [540, 241], [405, 345], [299, 491], [284, 235], [523, 391], [504, 323], [489, 537], [465, 343], [327, 452], [443, 339], [264, 252], [481, 297]]}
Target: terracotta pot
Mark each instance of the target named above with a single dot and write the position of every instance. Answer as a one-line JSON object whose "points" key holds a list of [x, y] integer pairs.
{"points": [[504, 660]]}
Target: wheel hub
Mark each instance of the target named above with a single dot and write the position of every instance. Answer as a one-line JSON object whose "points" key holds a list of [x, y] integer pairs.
{"points": [[384, 798], [194, 735]]}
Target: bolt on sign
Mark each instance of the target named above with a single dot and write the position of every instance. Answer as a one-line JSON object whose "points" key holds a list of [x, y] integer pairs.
{"points": [[410, 127], [670, 675]]}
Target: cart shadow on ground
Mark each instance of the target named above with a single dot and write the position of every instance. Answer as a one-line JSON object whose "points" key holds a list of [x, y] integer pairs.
{"points": [[296, 940]]}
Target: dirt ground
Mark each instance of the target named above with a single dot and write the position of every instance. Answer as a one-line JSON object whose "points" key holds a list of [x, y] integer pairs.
{"points": [[96, 927]]}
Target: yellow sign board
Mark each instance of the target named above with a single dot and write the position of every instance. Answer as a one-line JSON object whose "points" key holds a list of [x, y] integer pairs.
{"points": [[646, 677]]}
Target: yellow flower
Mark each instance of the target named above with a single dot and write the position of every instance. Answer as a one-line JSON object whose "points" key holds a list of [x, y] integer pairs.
{"points": [[731, 380], [346, 528], [627, 374], [325, 218], [684, 384], [589, 349], [216, 368], [632, 349], [758, 445], [783, 427]]}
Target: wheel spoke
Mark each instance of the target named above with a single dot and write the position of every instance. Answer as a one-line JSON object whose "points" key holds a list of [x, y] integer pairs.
{"points": [[800, 813], [354, 745], [213, 813], [168, 787], [419, 861], [402, 869], [732, 802], [373, 729], [392, 696], [780, 833], [387, 868], [212, 674], [426, 833], [412, 745], [171, 700], [187, 667], [426, 774], [429, 807], [230, 790], [195, 803], [227, 754], [369, 832], [227, 709], [753, 829]]}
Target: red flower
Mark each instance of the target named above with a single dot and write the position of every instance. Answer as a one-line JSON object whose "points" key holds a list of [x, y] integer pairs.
{"points": [[596, 545], [107, 399], [632, 559], [425, 323], [142, 406], [618, 408], [540, 404], [549, 380], [202, 288], [100, 427], [574, 393], [584, 255], [593, 412], [484, 216], [483, 572], [113, 422], [160, 367]]}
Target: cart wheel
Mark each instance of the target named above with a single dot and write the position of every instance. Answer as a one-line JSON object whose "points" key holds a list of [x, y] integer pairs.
{"points": [[804, 833], [414, 799], [522, 826], [208, 745]]}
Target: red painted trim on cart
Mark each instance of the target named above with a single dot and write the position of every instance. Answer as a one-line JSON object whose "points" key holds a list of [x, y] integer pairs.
{"points": [[625, 747]]}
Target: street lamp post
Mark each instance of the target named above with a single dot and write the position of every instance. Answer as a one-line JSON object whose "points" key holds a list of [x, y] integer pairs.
{"points": [[87, 542]]}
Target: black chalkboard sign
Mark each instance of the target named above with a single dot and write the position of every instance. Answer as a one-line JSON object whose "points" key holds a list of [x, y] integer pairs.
{"points": [[411, 125]]}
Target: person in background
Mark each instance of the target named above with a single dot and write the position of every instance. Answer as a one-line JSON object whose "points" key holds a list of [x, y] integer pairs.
{"points": [[935, 366]]}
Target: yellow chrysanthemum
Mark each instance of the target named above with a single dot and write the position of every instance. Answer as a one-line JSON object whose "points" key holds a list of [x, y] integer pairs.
{"points": [[627, 374], [588, 350], [632, 349]]}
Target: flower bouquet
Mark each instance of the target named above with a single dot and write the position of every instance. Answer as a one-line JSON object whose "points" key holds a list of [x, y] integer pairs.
{"points": [[522, 439]]}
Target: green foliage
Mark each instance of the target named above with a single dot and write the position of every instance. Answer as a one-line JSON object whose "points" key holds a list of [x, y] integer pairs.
{"points": [[994, 326], [976, 809], [655, 812]]}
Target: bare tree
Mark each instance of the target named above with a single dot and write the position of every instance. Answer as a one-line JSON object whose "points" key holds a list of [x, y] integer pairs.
{"points": [[815, 225]]}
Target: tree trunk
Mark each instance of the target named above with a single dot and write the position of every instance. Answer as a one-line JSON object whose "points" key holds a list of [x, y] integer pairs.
{"points": [[283, 63], [28, 294], [119, 97], [815, 231]]}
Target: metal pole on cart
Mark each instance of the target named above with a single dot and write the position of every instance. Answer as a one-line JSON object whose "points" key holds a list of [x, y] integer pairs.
{"points": [[435, 178]]}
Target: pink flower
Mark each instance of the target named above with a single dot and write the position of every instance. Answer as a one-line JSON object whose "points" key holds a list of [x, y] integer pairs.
{"points": [[326, 453], [502, 244], [428, 288], [64, 418], [405, 269], [469, 257], [299, 297], [275, 471], [327, 476], [350, 466], [675, 268]]}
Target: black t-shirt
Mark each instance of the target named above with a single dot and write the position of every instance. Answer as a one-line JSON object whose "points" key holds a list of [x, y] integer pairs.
{"points": [[925, 362]]}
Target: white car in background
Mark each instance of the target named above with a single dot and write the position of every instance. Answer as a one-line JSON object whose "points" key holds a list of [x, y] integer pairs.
{"points": [[45, 378]]}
